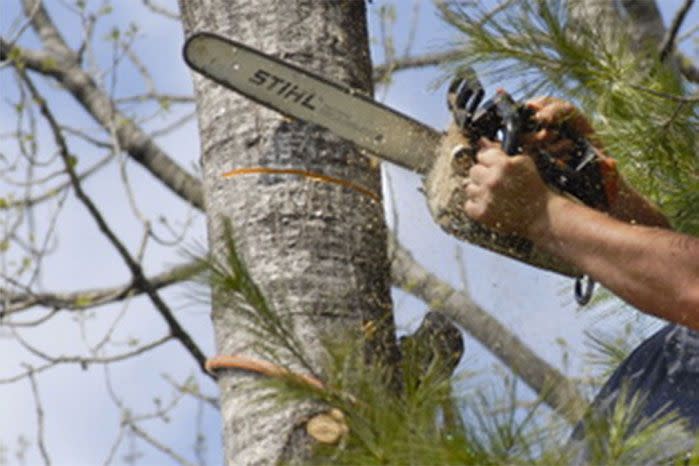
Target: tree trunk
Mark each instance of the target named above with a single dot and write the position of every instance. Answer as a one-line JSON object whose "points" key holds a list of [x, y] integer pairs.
{"points": [[317, 250]]}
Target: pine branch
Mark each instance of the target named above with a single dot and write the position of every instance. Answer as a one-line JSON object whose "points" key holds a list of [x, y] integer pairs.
{"points": [[632, 97]]}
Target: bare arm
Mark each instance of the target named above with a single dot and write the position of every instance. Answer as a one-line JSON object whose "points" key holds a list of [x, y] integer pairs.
{"points": [[626, 204], [652, 268]]}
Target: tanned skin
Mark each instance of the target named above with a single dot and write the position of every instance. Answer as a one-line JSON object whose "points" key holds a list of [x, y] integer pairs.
{"points": [[629, 249]]}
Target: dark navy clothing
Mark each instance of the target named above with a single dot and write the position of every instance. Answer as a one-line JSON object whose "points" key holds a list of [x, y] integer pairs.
{"points": [[663, 371]]}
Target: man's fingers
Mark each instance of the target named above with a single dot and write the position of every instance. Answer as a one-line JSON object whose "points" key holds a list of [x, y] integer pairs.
{"points": [[550, 111], [477, 175], [555, 114], [560, 147], [486, 143], [537, 103], [474, 210], [490, 156], [473, 191], [543, 136]]}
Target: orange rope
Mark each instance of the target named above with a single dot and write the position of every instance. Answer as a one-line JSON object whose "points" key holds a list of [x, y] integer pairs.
{"points": [[310, 175], [259, 366]]}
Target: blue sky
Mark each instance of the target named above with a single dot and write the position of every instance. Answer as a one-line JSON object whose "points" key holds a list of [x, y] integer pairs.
{"points": [[81, 420]]}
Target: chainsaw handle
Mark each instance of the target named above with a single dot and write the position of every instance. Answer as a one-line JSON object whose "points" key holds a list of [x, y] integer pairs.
{"points": [[516, 120]]}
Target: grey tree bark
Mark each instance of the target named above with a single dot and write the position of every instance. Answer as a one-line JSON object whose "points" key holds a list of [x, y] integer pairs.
{"points": [[317, 250]]}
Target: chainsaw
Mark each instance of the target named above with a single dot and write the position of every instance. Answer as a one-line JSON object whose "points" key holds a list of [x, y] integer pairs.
{"points": [[443, 159]]}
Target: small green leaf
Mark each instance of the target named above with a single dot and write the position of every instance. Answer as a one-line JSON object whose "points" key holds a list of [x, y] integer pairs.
{"points": [[49, 64], [82, 301], [72, 161], [164, 103]]}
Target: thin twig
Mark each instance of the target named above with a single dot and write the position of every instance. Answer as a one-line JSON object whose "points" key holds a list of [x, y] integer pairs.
{"points": [[183, 388], [687, 34], [420, 61], [84, 362], [688, 69], [161, 10], [139, 278], [53, 192], [158, 445], [674, 97], [168, 98], [132, 138], [669, 40], [114, 447], [39, 418], [79, 300]]}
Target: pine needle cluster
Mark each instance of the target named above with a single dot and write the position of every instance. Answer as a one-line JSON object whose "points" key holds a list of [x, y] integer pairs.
{"points": [[422, 422]]}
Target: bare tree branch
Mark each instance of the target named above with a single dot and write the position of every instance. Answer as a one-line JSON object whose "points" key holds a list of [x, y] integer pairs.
{"points": [[51, 193], [47, 31], [552, 386], [688, 69], [669, 40], [648, 23], [131, 138], [169, 98], [420, 61], [140, 280], [158, 445], [84, 299], [84, 361], [186, 389], [161, 10], [39, 419]]}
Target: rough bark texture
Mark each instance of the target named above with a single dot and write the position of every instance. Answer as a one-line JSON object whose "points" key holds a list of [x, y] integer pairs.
{"points": [[317, 250]]}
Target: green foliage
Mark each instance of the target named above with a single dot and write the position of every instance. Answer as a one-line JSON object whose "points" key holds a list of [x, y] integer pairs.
{"points": [[623, 437], [638, 105], [275, 336], [608, 351], [422, 422]]}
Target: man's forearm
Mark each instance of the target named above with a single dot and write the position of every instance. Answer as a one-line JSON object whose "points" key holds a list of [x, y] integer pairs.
{"points": [[654, 269]]}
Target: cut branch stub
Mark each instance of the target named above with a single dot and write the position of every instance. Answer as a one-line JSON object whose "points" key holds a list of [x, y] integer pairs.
{"points": [[329, 427], [446, 197], [436, 345]]}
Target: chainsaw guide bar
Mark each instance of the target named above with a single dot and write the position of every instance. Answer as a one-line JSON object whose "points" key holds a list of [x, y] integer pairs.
{"points": [[374, 127]]}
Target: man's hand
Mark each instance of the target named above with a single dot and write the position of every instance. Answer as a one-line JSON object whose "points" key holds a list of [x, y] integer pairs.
{"points": [[653, 269], [505, 193]]}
